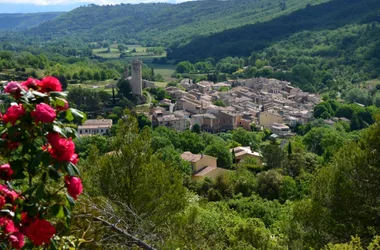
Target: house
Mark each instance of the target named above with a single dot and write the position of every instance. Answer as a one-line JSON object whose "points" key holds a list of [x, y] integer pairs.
{"points": [[280, 129], [267, 118], [171, 121], [203, 166], [244, 152], [95, 126]]}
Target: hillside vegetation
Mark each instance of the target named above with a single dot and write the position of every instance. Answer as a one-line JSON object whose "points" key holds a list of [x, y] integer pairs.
{"points": [[25, 21], [162, 23], [242, 41]]}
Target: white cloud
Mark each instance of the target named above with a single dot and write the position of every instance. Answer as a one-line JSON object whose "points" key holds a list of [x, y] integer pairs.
{"points": [[100, 2]]}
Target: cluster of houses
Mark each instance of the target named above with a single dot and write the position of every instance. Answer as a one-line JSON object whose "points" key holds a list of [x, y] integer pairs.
{"points": [[259, 102]]}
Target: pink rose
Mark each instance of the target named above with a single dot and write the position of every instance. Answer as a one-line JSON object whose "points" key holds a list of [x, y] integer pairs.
{"points": [[31, 83], [5, 172], [62, 150], [44, 113], [17, 240], [40, 232], [74, 186], [10, 227], [49, 84], [13, 113], [74, 159], [2, 201]]}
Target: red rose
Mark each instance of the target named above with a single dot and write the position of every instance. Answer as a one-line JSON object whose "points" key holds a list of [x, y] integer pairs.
{"points": [[3, 221], [53, 139], [74, 159], [12, 87], [17, 240], [31, 83], [10, 227], [9, 195], [13, 113], [40, 232], [62, 150], [74, 186], [62, 106], [2, 202], [5, 172], [44, 113], [49, 84]]}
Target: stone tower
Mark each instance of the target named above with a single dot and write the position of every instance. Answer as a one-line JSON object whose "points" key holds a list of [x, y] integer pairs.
{"points": [[136, 82]]}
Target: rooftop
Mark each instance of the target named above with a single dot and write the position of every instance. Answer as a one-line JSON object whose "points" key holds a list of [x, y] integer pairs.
{"points": [[97, 122]]}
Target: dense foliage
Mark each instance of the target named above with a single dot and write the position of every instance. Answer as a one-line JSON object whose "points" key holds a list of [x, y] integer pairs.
{"points": [[162, 23], [242, 41]]}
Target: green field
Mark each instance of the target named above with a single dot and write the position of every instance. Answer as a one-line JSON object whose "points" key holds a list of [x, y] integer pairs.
{"points": [[115, 53], [166, 70], [98, 86]]}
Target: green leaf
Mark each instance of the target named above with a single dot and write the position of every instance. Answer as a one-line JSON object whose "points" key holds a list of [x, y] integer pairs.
{"points": [[76, 170], [70, 200], [60, 102], [69, 115], [57, 211], [39, 94], [58, 130], [58, 94], [67, 212], [53, 245], [69, 170], [29, 190], [32, 210], [40, 192], [78, 115], [54, 174]]}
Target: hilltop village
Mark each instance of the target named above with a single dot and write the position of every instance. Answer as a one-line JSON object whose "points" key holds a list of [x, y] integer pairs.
{"points": [[247, 103]]}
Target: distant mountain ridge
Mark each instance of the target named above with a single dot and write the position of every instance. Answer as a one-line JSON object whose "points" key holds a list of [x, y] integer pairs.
{"points": [[12, 8], [164, 23], [25, 21]]}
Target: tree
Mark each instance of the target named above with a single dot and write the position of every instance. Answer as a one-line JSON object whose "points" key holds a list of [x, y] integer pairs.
{"points": [[222, 153], [124, 89], [219, 103], [245, 138], [140, 180], [84, 99], [269, 184], [347, 189], [143, 121], [272, 155], [196, 129], [184, 67]]}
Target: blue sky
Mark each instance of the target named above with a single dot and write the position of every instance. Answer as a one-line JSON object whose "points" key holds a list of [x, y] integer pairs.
{"points": [[27, 6], [69, 2]]}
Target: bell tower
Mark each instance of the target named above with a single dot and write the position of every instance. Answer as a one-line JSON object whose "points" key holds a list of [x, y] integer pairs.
{"points": [[136, 82]]}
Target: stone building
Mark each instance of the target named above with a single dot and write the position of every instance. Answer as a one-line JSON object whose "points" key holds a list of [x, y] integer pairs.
{"points": [[136, 81]]}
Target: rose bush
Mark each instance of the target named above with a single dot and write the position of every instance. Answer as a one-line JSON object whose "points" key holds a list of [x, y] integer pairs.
{"points": [[39, 180]]}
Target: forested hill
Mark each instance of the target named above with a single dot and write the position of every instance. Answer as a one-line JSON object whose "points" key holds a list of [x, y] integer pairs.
{"points": [[163, 23], [242, 41], [24, 21]]}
